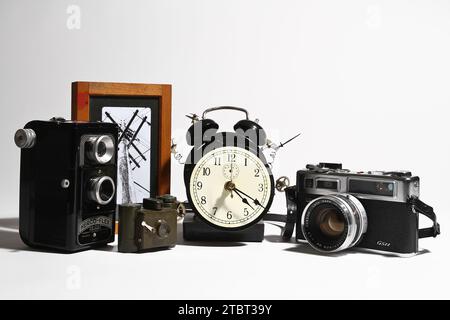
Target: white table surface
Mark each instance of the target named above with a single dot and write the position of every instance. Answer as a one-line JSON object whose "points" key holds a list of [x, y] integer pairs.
{"points": [[268, 270]]}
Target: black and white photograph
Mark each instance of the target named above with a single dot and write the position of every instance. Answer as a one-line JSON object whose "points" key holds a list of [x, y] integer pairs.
{"points": [[134, 151]]}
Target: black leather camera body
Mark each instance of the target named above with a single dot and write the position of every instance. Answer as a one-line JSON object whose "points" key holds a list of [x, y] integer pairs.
{"points": [[67, 184], [335, 209]]}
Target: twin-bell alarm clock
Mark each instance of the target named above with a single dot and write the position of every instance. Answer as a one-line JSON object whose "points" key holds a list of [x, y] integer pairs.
{"points": [[228, 181]]}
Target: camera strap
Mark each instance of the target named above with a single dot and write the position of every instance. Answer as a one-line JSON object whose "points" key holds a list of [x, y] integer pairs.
{"points": [[419, 206], [290, 218]]}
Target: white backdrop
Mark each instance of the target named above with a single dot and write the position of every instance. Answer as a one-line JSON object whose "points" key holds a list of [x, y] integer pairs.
{"points": [[366, 82]]}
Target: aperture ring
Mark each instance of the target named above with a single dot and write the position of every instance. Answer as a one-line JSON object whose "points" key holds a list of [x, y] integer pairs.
{"points": [[351, 209]]}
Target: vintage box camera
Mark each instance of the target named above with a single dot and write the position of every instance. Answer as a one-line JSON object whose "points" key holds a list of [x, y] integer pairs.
{"points": [[335, 209], [150, 226], [67, 184]]}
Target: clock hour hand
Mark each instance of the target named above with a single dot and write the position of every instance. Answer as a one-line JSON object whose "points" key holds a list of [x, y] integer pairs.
{"points": [[244, 200], [255, 201]]}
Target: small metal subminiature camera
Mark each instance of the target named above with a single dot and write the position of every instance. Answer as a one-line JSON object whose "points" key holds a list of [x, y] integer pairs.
{"points": [[335, 209], [67, 184], [152, 225]]}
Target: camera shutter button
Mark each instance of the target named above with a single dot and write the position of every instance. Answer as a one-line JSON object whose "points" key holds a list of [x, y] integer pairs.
{"points": [[400, 174]]}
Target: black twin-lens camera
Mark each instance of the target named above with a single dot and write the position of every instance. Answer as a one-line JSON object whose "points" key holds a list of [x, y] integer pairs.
{"points": [[67, 184], [335, 209]]}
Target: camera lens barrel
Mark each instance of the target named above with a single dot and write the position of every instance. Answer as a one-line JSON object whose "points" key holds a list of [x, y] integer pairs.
{"points": [[101, 190], [334, 223], [100, 149]]}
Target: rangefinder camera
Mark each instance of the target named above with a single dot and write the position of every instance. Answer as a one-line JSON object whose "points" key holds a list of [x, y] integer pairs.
{"points": [[67, 184], [336, 209], [148, 226]]}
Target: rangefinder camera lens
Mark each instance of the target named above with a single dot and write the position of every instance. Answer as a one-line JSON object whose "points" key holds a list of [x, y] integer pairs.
{"points": [[102, 190], [334, 223], [100, 149]]}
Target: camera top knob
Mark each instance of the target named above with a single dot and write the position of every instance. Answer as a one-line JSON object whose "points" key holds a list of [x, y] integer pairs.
{"points": [[167, 198], [152, 204], [58, 119], [330, 165], [376, 173], [25, 138], [324, 167], [399, 173]]}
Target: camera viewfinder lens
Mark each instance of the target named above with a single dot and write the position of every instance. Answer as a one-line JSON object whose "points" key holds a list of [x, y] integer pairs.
{"points": [[100, 149]]}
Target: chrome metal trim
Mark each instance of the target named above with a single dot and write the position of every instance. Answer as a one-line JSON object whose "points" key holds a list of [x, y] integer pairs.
{"points": [[328, 179], [25, 138], [403, 190], [95, 142], [361, 215], [94, 191], [354, 213]]}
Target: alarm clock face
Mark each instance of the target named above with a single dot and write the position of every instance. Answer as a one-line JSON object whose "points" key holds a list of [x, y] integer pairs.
{"points": [[231, 188]]}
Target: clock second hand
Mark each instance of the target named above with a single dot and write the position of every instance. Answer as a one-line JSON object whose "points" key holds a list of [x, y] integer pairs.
{"points": [[255, 201], [231, 178]]}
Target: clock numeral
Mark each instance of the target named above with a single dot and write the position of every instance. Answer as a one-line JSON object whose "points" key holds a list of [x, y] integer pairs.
{"points": [[217, 161], [214, 210], [206, 171], [229, 215], [245, 162], [231, 157], [199, 185], [256, 173], [260, 187], [245, 212], [203, 200]]}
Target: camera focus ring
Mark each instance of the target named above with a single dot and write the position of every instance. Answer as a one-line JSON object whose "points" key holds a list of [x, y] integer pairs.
{"points": [[102, 190], [358, 215], [100, 149], [334, 223]]}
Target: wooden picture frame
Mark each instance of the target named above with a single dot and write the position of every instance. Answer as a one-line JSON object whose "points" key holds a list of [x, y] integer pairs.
{"points": [[85, 95]]}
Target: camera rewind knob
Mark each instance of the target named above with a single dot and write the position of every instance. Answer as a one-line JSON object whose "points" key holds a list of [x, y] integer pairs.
{"points": [[25, 138]]}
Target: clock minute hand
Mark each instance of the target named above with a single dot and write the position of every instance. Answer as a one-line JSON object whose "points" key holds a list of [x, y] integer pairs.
{"points": [[255, 201]]}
